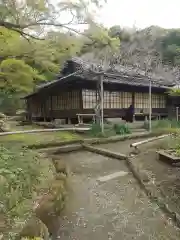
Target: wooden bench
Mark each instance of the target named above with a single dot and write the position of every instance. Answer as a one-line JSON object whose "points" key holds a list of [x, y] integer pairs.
{"points": [[157, 116], [82, 115]]}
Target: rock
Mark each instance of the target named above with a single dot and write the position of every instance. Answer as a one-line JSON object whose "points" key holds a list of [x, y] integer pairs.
{"points": [[135, 151], [60, 167], [35, 228], [2, 116], [4, 127]]}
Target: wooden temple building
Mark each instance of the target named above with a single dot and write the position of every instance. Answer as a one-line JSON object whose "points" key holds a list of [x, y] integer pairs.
{"points": [[75, 92]]}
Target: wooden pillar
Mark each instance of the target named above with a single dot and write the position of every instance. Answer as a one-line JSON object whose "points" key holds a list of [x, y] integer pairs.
{"points": [[98, 103], [51, 105], [102, 102]]}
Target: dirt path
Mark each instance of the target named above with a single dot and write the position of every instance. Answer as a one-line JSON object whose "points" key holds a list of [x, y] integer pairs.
{"points": [[115, 209], [124, 146]]}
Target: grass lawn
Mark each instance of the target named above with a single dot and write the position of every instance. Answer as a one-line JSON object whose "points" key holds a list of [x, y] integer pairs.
{"points": [[36, 138]]}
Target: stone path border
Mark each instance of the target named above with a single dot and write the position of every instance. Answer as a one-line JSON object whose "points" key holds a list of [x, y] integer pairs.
{"points": [[93, 141], [105, 152], [152, 192]]}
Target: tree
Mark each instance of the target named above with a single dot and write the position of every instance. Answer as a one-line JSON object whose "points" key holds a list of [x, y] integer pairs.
{"points": [[30, 17], [121, 33], [23, 64], [99, 43], [170, 48]]}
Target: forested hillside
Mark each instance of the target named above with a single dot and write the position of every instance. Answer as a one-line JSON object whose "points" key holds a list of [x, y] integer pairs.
{"points": [[32, 51]]}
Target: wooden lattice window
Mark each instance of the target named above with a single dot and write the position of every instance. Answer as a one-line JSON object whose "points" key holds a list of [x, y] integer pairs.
{"points": [[75, 103], [115, 100], [162, 101], [145, 97], [138, 102], [142, 101], [106, 99], [126, 99], [89, 98]]}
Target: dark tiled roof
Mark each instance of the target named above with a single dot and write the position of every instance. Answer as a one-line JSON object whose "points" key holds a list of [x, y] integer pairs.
{"points": [[89, 70], [122, 74]]}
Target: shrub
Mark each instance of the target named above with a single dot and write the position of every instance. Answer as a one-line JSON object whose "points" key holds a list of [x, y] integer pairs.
{"points": [[23, 174], [95, 130], [109, 130], [122, 129], [166, 126]]}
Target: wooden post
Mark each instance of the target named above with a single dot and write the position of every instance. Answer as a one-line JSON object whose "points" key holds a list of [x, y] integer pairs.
{"points": [[98, 103], [102, 104], [150, 106], [177, 114], [51, 106]]}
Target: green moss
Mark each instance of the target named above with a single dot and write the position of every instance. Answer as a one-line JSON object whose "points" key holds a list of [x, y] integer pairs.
{"points": [[39, 138]]}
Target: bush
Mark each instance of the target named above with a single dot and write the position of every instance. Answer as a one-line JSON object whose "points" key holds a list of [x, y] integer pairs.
{"points": [[23, 174], [109, 130], [122, 129], [95, 130], [166, 126]]}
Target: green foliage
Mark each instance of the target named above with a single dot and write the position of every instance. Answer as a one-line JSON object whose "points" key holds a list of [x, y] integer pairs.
{"points": [[122, 129], [117, 32], [109, 130], [10, 102], [95, 130], [165, 123], [22, 175], [166, 126], [170, 47], [16, 75], [24, 64], [174, 92], [100, 42], [35, 139]]}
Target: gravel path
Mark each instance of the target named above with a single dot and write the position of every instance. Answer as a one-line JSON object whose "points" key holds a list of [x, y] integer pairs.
{"points": [[116, 209]]}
